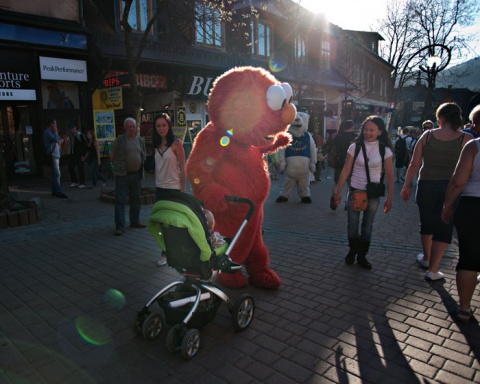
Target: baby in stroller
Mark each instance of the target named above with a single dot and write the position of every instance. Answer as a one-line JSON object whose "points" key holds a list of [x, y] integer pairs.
{"points": [[179, 225], [216, 239]]}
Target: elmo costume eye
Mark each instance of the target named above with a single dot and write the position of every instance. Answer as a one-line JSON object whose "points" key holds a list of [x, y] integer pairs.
{"points": [[288, 91], [276, 97]]}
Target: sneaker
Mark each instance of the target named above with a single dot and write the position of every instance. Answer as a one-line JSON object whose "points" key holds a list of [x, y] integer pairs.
{"points": [[422, 261], [162, 262], [432, 276], [81, 186], [464, 315], [118, 232], [73, 185]]}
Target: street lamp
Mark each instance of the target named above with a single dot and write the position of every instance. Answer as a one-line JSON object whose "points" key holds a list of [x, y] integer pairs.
{"points": [[434, 65]]}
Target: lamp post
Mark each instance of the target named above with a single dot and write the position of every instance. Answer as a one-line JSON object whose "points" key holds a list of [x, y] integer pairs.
{"points": [[434, 65]]}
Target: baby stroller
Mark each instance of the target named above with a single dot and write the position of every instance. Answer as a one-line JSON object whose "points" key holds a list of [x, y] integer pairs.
{"points": [[179, 226]]}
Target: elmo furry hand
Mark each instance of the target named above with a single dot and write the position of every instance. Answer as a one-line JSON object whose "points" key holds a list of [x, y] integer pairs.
{"points": [[249, 112]]}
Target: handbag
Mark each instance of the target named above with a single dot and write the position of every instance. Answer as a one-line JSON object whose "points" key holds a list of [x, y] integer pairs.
{"points": [[359, 200], [374, 190]]}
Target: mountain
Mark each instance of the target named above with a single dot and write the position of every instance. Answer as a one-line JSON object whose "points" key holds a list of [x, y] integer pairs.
{"points": [[465, 75]]}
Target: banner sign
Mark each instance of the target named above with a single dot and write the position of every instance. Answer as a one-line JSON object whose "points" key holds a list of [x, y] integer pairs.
{"points": [[16, 77], [54, 68]]}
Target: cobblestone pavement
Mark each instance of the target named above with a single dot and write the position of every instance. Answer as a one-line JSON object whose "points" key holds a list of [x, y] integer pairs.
{"points": [[69, 292]]}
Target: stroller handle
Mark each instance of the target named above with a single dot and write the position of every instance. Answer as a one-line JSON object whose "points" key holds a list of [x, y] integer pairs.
{"points": [[237, 199]]}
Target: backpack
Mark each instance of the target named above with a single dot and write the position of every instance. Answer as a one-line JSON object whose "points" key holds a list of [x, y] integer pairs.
{"points": [[401, 147]]}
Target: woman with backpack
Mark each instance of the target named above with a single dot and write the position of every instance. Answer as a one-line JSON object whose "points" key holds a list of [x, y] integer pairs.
{"points": [[367, 159]]}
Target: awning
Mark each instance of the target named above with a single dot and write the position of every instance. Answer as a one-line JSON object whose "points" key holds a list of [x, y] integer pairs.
{"points": [[372, 105]]}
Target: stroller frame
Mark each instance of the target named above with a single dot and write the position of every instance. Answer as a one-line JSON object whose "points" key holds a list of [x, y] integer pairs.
{"points": [[193, 302]]}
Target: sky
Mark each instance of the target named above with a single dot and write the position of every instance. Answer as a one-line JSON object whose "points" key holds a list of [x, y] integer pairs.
{"points": [[356, 15]]}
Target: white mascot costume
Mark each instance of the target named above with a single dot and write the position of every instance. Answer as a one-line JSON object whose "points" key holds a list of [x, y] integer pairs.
{"points": [[298, 160]]}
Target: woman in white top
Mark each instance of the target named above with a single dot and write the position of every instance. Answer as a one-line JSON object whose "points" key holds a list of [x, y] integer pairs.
{"points": [[373, 139], [169, 160], [465, 181]]}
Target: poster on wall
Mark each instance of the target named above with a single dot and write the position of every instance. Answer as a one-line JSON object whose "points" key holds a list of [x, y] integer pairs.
{"points": [[60, 95], [104, 122], [108, 98]]}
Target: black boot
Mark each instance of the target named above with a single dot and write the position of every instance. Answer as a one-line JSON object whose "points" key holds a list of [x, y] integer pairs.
{"points": [[353, 244], [363, 247]]}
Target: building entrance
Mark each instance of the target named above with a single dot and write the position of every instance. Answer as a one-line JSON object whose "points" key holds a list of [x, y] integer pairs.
{"points": [[16, 135]]}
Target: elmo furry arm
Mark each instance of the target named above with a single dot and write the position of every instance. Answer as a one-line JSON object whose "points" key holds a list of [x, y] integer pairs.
{"points": [[203, 165], [281, 140]]}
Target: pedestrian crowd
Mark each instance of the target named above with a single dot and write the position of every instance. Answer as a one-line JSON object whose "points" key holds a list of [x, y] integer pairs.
{"points": [[443, 162]]}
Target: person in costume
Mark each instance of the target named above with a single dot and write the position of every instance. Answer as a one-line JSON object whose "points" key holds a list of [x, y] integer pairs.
{"points": [[249, 112]]}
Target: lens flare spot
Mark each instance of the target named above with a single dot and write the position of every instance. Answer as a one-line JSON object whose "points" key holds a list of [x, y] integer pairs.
{"points": [[278, 62], [210, 161], [196, 180], [92, 331], [230, 132], [224, 141], [114, 299]]}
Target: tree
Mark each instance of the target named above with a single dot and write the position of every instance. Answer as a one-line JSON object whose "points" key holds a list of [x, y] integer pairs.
{"points": [[412, 25], [187, 17]]}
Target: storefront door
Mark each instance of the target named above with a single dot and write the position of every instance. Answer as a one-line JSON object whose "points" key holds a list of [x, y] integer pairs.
{"points": [[16, 139]]}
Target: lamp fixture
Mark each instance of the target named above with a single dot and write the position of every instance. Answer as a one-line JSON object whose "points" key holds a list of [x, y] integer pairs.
{"points": [[433, 61]]}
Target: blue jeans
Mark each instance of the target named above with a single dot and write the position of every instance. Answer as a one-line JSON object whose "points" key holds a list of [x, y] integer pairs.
{"points": [[56, 188], [127, 188], [367, 219], [95, 173]]}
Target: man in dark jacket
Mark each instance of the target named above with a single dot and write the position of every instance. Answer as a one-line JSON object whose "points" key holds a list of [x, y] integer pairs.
{"points": [[341, 142], [78, 150]]}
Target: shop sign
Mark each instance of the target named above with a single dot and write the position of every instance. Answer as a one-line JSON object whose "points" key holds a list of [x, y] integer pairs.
{"points": [[181, 117], [54, 68], [110, 98], [199, 87], [16, 77], [145, 80]]}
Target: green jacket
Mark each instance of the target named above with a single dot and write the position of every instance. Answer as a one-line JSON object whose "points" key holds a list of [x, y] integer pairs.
{"points": [[119, 149]]}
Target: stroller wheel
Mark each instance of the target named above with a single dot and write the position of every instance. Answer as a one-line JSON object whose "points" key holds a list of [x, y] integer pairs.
{"points": [[190, 344], [152, 326], [242, 312], [174, 338]]}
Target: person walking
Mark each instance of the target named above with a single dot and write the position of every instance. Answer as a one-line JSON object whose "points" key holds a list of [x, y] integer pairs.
{"points": [[338, 152], [465, 183], [402, 154], [474, 117], [169, 158], [436, 154], [52, 142], [78, 151], [93, 160], [128, 156], [367, 159]]}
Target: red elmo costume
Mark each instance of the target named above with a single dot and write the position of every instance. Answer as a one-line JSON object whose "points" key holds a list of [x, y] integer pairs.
{"points": [[249, 112]]}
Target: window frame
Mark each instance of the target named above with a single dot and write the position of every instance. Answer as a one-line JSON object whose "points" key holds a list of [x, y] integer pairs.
{"points": [[300, 50], [209, 32], [325, 55], [258, 42], [139, 15]]}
